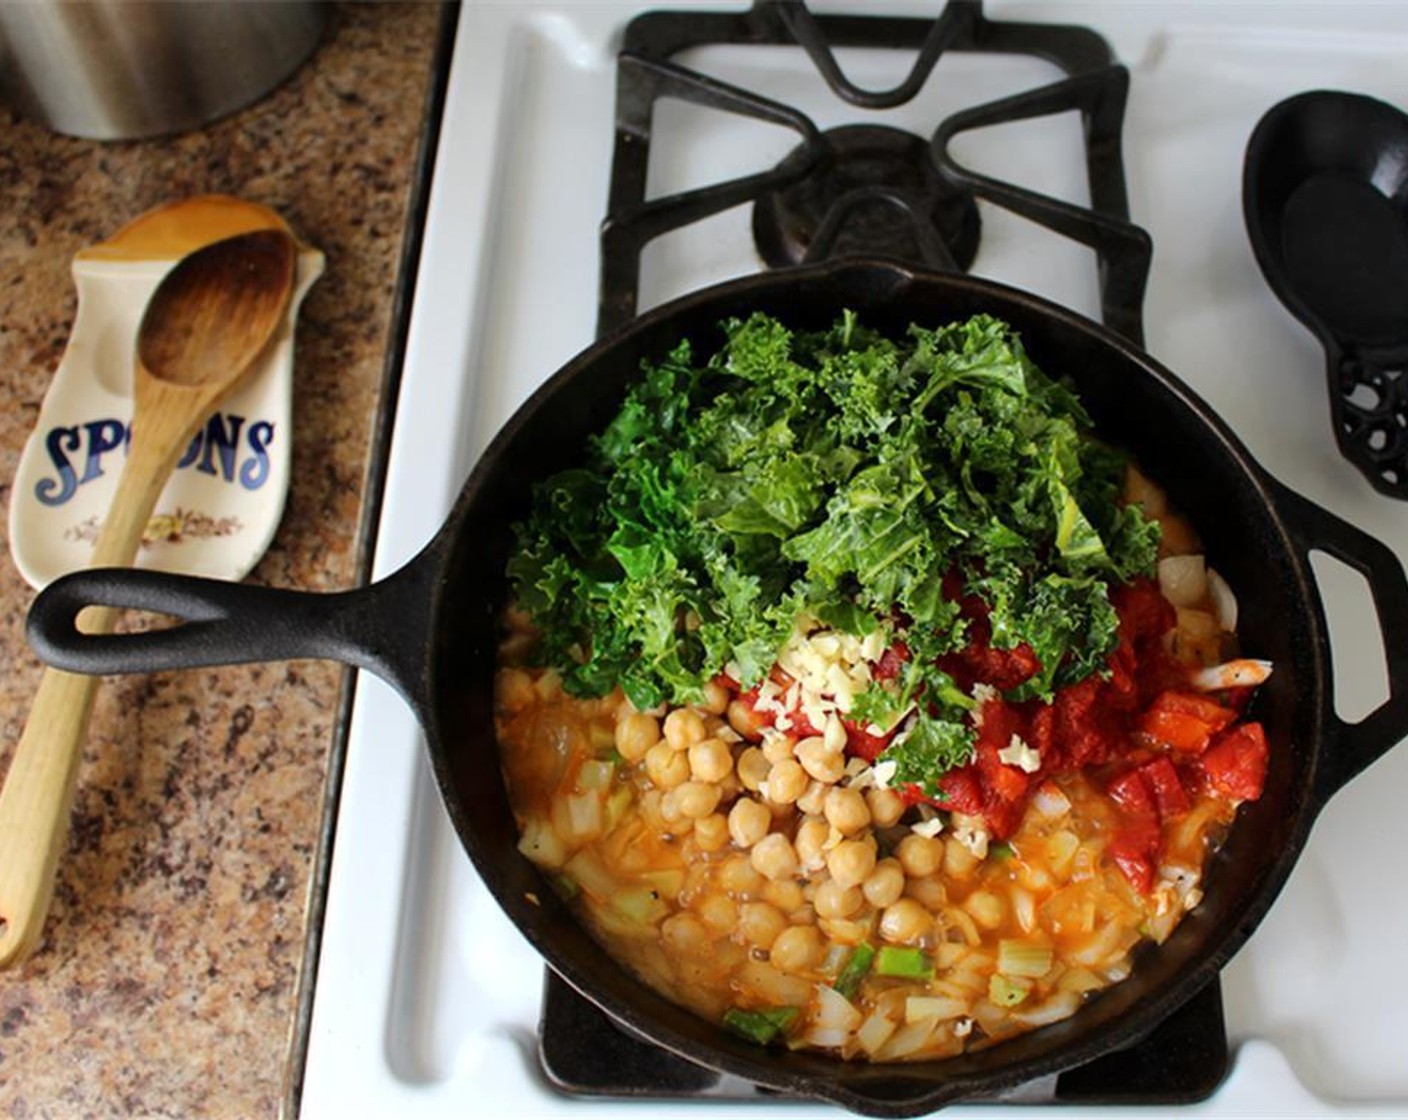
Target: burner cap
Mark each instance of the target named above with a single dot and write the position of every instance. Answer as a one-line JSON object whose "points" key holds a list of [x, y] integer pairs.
{"points": [[879, 181]]}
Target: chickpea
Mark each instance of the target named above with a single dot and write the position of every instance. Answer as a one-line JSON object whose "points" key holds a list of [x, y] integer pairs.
{"points": [[717, 911], [716, 698], [636, 733], [665, 766], [905, 922], [685, 934], [846, 810], [670, 808], [513, 690], [785, 894], [683, 728], [774, 857], [710, 760], [959, 862], [796, 948], [737, 876], [920, 855], [711, 832], [746, 720], [813, 801], [753, 768], [748, 822], [987, 908], [820, 761], [929, 892], [883, 886], [759, 923], [785, 782], [835, 901], [885, 806], [812, 834], [777, 748], [851, 862], [651, 811], [696, 799]]}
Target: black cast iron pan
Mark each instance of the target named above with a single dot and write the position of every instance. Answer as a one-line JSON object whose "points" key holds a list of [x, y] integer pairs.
{"points": [[430, 629]]}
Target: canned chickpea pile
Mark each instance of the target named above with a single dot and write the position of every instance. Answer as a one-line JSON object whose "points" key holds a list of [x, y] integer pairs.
{"points": [[770, 884]]}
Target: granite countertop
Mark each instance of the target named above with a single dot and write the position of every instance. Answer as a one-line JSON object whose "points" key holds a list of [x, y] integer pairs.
{"points": [[169, 979]]}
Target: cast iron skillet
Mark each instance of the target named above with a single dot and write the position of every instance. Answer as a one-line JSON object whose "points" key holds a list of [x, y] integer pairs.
{"points": [[430, 630]]}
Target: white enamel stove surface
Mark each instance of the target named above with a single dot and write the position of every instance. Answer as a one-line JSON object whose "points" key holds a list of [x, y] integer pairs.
{"points": [[427, 999]]}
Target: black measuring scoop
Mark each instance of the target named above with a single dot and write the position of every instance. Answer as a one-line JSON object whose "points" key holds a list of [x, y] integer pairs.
{"points": [[1325, 198]]}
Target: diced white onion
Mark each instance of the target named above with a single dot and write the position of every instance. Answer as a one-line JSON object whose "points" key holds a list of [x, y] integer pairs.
{"points": [[1224, 602], [584, 814], [918, 1008], [1050, 802], [875, 1032], [834, 1011], [1061, 1005], [1183, 579]]}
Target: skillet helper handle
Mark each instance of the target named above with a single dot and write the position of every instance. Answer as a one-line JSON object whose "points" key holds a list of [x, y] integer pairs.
{"points": [[380, 627], [1357, 745]]}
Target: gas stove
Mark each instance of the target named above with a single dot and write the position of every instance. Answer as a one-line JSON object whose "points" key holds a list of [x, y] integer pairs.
{"points": [[593, 162]]}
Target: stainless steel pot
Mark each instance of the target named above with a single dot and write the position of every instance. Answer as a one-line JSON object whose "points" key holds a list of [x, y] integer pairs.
{"points": [[123, 69]]}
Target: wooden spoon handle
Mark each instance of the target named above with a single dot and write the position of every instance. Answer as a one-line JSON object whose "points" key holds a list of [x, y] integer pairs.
{"points": [[35, 806], [37, 798]]}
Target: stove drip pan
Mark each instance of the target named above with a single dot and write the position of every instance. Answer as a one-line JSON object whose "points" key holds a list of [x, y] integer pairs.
{"points": [[876, 190]]}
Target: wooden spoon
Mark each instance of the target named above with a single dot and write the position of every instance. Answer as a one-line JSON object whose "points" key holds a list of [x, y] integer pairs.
{"points": [[206, 327]]}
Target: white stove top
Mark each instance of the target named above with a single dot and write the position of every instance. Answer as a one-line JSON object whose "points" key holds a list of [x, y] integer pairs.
{"points": [[426, 1001]]}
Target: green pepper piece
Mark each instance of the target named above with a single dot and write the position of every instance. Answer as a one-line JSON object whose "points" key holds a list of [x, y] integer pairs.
{"points": [[848, 982], [762, 1025], [911, 964]]}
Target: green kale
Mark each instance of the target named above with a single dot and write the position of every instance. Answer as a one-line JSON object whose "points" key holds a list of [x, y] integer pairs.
{"points": [[847, 475]]}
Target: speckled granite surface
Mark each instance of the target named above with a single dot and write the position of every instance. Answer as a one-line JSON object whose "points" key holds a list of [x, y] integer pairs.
{"points": [[168, 981]]}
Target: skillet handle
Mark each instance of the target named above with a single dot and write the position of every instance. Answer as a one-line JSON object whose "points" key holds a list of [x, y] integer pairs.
{"points": [[381, 627], [1357, 745]]}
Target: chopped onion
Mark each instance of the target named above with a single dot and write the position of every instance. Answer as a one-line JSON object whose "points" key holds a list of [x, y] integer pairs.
{"points": [[875, 1032], [594, 773], [1050, 802], [834, 1011], [584, 814], [1224, 602], [919, 1008], [1183, 579], [907, 1040], [1061, 1005], [541, 843], [1024, 909]]}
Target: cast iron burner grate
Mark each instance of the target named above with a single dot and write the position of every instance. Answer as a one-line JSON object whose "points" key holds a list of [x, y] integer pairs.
{"points": [[870, 187], [931, 214]]}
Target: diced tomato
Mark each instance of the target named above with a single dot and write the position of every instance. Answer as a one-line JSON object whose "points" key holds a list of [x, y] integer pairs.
{"points": [[1136, 847], [1184, 721], [1131, 792], [959, 789], [891, 662], [979, 660], [1004, 817], [1007, 784], [1087, 731], [1143, 611], [861, 743], [1235, 765], [1161, 776]]}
